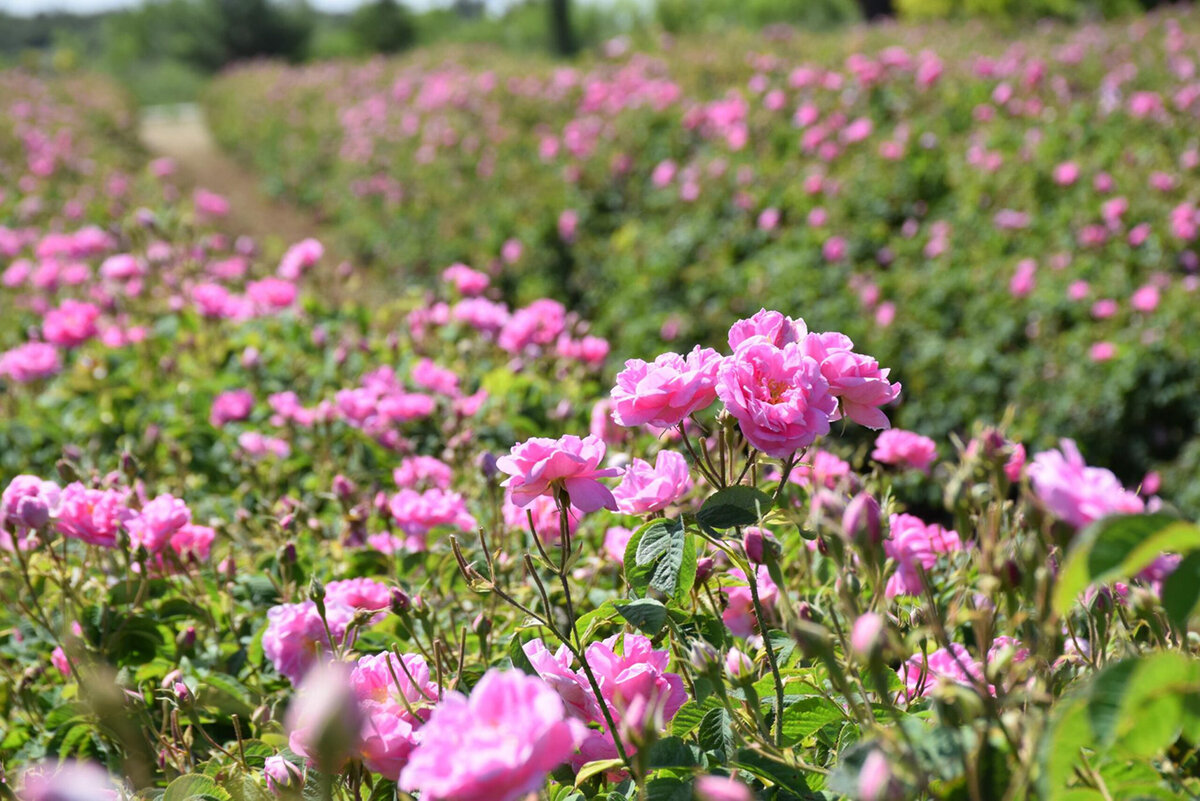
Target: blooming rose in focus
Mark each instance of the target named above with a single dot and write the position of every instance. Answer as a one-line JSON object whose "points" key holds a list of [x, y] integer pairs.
{"points": [[1075, 493], [496, 745], [778, 395], [644, 489], [540, 466], [665, 392]]}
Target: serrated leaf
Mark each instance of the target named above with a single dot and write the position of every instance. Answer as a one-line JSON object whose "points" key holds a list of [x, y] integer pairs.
{"points": [[716, 731], [194, 785], [690, 714], [808, 716]]}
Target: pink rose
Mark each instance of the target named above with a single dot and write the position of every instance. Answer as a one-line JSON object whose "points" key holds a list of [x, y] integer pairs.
{"points": [[905, 449], [778, 395], [665, 392], [461, 758], [644, 489], [540, 466], [914, 543], [1075, 493]]}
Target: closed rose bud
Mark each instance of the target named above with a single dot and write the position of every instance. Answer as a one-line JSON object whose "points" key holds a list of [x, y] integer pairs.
{"points": [[704, 569], [343, 488], [481, 625], [866, 636], [186, 639], [182, 693], [227, 568], [399, 602], [282, 775], [721, 788], [325, 721], [860, 522], [804, 610], [752, 542], [287, 553], [487, 465], [702, 656], [738, 665], [875, 778]]}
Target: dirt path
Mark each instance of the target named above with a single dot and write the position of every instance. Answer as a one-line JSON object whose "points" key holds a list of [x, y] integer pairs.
{"points": [[180, 133]]}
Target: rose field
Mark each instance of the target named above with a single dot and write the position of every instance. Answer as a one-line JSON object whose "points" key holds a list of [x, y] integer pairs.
{"points": [[765, 416]]}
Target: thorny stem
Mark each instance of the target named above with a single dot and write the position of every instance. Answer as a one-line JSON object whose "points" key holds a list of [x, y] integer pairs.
{"points": [[752, 577]]}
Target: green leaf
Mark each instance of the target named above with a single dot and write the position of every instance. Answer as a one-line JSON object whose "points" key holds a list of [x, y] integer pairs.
{"points": [[734, 506], [1181, 591], [193, 785], [672, 752], [646, 614], [1117, 548], [658, 557], [691, 714], [598, 767], [716, 731], [668, 789], [808, 716], [135, 641], [772, 772]]}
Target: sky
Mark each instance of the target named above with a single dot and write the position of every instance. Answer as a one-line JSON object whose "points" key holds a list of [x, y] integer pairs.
{"points": [[86, 6]]}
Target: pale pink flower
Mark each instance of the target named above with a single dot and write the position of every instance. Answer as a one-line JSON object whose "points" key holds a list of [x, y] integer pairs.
{"points": [[71, 324], [416, 513], [231, 406], [739, 609], [468, 282], [210, 204], [821, 468], [496, 745], [92, 515], [1102, 351], [857, 381], [721, 788], [781, 400], [1022, 282], [921, 676], [912, 544], [152, 527], [295, 638], [1145, 299], [1075, 493], [423, 472], [395, 695], [546, 517], [66, 781], [645, 489], [29, 503], [616, 538], [542, 466], [299, 258], [665, 392], [271, 294], [905, 449], [771, 327], [430, 376]]}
